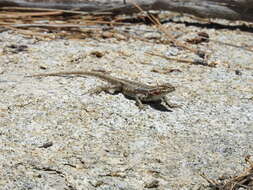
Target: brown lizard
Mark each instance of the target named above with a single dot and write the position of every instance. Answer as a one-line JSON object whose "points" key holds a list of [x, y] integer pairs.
{"points": [[138, 91]]}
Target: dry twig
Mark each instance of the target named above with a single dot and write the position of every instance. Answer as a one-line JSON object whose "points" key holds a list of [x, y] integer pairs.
{"points": [[244, 180]]}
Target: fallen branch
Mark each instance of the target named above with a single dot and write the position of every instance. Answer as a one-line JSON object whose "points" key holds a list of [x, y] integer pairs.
{"points": [[226, 9]]}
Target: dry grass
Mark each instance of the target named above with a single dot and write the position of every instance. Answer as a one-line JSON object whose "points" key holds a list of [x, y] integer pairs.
{"points": [[241, 181]]}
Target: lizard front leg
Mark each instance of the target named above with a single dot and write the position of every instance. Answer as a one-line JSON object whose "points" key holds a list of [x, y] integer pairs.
{"points": [[169, 104], [139, 103]]}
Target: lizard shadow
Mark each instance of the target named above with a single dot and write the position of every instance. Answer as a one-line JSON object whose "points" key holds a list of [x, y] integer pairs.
{"points": [[157, 105]]}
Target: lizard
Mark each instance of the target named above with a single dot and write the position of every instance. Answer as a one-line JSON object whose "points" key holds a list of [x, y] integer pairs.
{"points": [[135, 90]]}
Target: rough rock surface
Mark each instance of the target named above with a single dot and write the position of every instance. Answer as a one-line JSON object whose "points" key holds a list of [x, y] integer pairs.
{"points": [[54, 136]]}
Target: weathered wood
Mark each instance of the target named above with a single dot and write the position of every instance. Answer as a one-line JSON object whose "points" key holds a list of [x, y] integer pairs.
{"points": [[226, 9]]}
